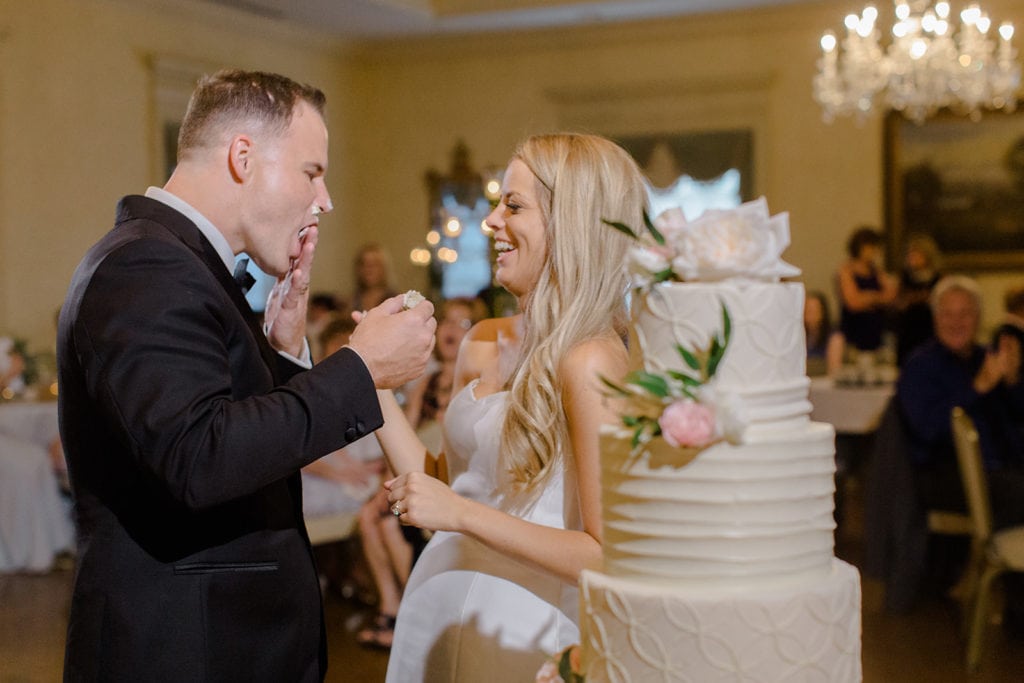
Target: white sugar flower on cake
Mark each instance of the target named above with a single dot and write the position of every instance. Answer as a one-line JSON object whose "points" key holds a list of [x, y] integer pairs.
{"points": [[745, 242]]}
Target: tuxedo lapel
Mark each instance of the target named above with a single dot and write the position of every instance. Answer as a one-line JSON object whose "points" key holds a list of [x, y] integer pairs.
{"points": [[180, 226]]}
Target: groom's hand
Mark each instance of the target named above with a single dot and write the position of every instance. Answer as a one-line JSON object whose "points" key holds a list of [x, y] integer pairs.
{"points": [[394, 343], [285, 316]]}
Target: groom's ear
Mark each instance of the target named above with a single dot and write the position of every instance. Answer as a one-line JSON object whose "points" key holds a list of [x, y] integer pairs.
{"points": [[241, 161]]}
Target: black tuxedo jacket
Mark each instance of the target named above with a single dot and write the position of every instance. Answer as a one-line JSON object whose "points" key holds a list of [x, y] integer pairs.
{"points": [[184, 432]]}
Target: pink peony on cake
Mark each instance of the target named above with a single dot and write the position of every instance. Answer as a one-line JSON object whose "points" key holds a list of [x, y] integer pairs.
{"points": [[717, 489]]}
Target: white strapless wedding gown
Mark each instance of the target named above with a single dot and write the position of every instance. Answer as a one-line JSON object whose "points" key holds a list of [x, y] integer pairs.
{"points": [[470, 613]]}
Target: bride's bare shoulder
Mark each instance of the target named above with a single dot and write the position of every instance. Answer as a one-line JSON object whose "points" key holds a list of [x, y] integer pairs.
{"points": [[481, 349]]}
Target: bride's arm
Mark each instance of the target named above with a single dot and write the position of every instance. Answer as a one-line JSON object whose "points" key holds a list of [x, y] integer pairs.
{"points": [[402, 447], [425, 502]]}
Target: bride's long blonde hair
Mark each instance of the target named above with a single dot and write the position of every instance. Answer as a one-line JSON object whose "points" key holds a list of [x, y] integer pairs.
{"points": [[580, 294]]}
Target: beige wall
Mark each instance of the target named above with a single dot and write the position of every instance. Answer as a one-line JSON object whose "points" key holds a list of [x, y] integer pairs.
{"points": [[751, 69], [77, 125], [76, 129]]}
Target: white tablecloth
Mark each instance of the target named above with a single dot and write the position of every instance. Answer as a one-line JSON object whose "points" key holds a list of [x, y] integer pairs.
{"points": [[851, 410], [35, 520]]}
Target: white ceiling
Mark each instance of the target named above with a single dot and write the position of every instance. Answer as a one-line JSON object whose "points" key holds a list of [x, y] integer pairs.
{"points": [[368, 19]]}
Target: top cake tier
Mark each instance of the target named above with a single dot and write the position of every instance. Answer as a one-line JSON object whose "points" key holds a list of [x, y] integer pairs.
{"points": [[765, 361]]}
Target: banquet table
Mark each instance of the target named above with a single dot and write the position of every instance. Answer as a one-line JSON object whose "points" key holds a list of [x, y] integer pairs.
{"points": [[34, 421], [35, 519], [854, 410]]}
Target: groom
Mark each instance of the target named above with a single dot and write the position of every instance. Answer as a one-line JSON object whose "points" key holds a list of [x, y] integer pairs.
{"points": [[186, 421]]}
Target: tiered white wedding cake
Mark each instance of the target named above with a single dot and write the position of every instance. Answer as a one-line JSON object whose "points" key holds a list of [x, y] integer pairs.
{"points": [[718, 489]]}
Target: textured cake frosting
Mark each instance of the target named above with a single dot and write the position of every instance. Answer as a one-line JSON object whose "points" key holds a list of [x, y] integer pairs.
{"points": [[724, 569], [638, 632], [759, 511]]}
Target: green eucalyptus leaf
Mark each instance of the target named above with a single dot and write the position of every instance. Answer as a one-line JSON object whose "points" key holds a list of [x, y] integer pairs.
{"points": [[621, 227], [690, 358], [662, 275], [618, 389], [658, 237], [655, 384]]}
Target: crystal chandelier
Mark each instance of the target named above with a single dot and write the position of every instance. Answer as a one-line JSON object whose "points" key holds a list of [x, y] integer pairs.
{"points": [[924, 67]]}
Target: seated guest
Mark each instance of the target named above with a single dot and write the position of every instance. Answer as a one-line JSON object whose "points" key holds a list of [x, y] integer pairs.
{"points": [[865, 291], [824, 344], [1013, 301], [34, 523], [343, 480], [920, 273], [952, 370], [12, 365], [1013, 319], [323, 308]]}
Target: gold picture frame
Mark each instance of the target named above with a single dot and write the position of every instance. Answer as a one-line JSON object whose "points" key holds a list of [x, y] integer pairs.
{"points": [[961, 182]]}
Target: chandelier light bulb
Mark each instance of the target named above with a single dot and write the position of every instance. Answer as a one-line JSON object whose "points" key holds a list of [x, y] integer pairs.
{"points": [[971, 15], [902, 11], [984, 23], [433, 238], [851, 22], [942, 10], [1006, 30]]}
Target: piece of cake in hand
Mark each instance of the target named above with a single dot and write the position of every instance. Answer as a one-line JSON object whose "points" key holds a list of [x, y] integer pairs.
{"points": [[412, 299]]}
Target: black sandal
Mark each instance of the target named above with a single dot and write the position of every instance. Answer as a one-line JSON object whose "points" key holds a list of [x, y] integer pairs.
{"points": [[379, 634]]}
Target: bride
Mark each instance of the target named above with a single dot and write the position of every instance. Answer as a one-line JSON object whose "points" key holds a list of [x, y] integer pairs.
{"points": [[494, 593]]}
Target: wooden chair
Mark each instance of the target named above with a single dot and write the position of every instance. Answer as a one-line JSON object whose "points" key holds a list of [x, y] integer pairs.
{"points": [[991, 553]]}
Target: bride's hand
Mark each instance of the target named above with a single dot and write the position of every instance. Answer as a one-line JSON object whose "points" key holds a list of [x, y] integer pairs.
{"points": [[421, 500]]}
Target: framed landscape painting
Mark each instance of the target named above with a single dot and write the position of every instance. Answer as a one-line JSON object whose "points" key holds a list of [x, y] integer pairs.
{"points": [[961, 182]]}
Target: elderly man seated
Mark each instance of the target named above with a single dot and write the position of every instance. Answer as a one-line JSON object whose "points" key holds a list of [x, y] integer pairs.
{"points": [[953, 369]]}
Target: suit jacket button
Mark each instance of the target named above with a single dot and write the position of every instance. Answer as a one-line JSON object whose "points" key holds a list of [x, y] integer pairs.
{"points": [[351, 434]]}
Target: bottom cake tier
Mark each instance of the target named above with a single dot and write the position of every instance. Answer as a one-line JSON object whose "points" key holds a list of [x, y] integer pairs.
{"points": [[633, 631]]}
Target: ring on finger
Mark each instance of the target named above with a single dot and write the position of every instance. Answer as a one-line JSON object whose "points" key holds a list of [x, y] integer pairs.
{"points": [[396, 510]]}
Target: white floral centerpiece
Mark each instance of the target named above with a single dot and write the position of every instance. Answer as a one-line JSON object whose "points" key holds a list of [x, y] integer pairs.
{"points": [[683, 406]]}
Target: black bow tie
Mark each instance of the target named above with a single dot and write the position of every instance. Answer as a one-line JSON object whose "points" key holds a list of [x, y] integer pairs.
{"points": [[242, 276]]}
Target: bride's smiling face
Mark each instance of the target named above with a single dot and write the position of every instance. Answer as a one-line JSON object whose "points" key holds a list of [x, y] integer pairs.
{"points": [[519, 231]]}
